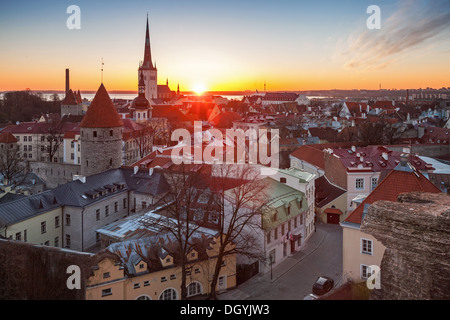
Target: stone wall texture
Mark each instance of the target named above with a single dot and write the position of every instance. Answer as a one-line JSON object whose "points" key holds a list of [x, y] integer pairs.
{"points": [[416, 233]]}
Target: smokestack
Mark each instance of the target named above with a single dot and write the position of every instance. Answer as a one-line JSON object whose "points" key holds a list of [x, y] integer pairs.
{"points": [[67, 81]]}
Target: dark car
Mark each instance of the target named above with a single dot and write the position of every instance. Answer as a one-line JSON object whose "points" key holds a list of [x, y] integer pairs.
{"points": [[322, 285]]}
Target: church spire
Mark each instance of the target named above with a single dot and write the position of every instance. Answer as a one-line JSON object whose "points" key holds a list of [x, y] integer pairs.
{"points": [[147, 64]]}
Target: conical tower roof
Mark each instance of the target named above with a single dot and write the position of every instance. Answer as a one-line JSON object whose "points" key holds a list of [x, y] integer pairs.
{"points": [[102, 113]]}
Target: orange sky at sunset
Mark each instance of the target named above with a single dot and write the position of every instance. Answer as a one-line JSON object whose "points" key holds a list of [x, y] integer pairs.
{"points": [[315, 45]]}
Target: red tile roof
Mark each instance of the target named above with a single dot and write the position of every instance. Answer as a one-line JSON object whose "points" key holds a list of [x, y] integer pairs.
{"points": [[311, 155], [374, 158], [326, 191], [6, 137], [70, 98], [102, 113], [395, 183]]}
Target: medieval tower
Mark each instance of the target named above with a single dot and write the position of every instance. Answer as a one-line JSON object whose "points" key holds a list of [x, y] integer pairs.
{"points": [[149, 72], [101, 135]]}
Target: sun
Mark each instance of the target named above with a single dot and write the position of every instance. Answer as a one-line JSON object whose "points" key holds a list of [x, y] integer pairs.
{"points": [[199, 88]]}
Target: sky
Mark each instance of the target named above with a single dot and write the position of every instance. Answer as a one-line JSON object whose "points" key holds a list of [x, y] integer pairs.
{"points": [[290, 45]]}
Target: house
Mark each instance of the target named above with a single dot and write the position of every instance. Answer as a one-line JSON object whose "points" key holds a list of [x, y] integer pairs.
{"points": [[283, 226], [358, 169], [361, 250], [330, 201], [69, 215], [147, 269]]}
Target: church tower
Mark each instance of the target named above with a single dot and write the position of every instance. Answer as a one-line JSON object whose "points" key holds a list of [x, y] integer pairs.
{"points": [[149, 71], [101, 135]]}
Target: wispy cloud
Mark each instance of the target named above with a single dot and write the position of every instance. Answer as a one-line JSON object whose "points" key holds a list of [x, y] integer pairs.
{"points": [[414, 25]]}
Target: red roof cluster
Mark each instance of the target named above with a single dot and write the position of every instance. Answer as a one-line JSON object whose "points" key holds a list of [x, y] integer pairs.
{"points": [[102, 113], [7, 137], [395, 183]]}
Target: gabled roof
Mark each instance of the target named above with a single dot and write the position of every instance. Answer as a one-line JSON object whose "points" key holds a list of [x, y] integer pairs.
{"points": [[311, 155], [102, 113], [326, 191], [7, 137], [396, 182], [70, 98]]}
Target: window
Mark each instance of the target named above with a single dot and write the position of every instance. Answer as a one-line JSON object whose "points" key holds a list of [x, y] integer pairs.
{"points": [[365, 271], [106, 211], [197, 270], [30, 138], [30, 148], [168, 294], [283, 180], [110, 133], [116, 206], [374, 183], [95, 134], [173, 277], [125, 203], [144, 204], [56, 241], [67, 241], [25, 148], [106, 292], [72, 156], [143, 297], [136, 286], [289, 210], [43, 227], [25, 138], [146, 283], [97, 214], [141, 266], [57, 222], [67, 219], [366, 246], [359, 183], [194, 289], [25, 235], [19, 236], [47, 243], [163, 279]]}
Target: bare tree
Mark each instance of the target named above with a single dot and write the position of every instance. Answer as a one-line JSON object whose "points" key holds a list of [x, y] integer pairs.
{"points": [[11, 162], [177, 219], [241, 205], [143, 137], [52, 137]]}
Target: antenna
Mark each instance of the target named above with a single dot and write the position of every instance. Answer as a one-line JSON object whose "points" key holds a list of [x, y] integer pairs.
{"points": [[102, 69]]}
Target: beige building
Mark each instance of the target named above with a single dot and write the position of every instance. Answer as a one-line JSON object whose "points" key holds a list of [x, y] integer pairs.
{"points": [[361, 250], [143, 270], [36, 219]]}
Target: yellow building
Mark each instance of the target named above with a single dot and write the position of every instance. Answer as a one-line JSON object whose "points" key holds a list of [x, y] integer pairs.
{"points": [[143, 269], [36, 219]]}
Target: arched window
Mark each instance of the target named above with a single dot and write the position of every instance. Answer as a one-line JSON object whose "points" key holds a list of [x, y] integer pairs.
{"points": [[143, 297], [194, 289], [168, 294]]}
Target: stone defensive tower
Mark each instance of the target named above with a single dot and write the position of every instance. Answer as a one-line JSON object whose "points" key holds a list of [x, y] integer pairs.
{"points": [[101, 135]]}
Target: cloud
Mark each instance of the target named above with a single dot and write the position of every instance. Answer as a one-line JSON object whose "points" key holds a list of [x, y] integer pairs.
{"points": [[415, 24]]}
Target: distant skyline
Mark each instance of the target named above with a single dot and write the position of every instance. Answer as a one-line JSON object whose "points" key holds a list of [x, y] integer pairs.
{"points": [[227, 45]]}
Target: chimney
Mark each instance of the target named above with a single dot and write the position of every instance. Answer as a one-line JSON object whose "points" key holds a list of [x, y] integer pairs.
{"points": [[403, 159], [385, 156], [67, 81], [135, 169], [79, 177]]}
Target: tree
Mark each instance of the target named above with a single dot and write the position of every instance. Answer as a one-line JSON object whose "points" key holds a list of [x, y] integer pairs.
{"points": [[177, 219], [11, 163], [143, 137], [240, 214], [52, 136]]}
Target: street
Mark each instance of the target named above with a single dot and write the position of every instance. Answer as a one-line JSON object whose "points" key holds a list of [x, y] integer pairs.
{"points": [[293, 278]]}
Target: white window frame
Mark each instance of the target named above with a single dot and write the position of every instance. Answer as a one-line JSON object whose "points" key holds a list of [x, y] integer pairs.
{"points": [[368, 252], [357, 181]]}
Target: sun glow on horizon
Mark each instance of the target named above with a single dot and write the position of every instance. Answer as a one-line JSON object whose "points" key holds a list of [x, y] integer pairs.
{"points": [[199, 88]]}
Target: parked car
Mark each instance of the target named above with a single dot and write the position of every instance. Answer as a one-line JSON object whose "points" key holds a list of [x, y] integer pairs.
{"points": [[322, 285], [310, 297]]}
